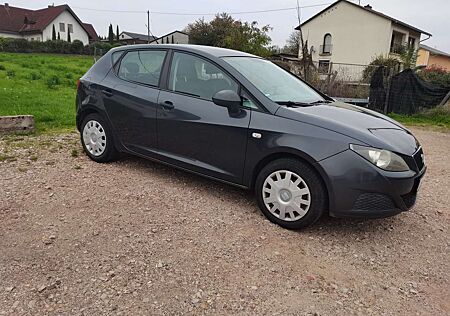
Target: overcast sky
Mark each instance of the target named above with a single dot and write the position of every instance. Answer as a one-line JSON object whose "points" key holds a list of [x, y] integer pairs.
{"points": [[432, 15]]}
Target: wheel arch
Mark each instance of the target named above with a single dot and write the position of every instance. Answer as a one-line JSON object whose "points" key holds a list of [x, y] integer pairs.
{"points": [[298, 155], [83, 112]]}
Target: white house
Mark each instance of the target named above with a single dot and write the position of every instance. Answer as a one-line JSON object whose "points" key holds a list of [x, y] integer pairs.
{"points": [[348, 33], [37, 25], [175, 37]]}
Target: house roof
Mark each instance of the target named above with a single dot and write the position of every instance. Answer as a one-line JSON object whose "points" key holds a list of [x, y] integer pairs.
{"points": [[143, 37], [368, 9], [20, 20], [434, 51], [91, 31]]}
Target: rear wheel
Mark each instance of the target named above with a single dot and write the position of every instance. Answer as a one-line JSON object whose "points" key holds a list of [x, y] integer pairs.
{"points": [[290, 193], [97, 139]]}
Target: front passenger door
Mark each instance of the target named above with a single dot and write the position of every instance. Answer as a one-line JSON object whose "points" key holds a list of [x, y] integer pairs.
{"points": [[195, 133]]}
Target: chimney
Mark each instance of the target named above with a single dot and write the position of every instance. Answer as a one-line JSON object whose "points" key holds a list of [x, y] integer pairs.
{"points": [[6, 5], [368, 7]]}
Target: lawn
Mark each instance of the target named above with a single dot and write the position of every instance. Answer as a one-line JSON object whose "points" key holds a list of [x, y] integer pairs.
{"points": [[42, 85]]}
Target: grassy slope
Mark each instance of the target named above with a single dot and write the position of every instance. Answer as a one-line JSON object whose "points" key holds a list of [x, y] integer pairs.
{"points": [[437, 117], [42, 85]]}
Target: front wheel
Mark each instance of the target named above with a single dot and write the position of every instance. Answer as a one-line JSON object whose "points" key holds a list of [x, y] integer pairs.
{"points": [[290, 193], [97, 139]]}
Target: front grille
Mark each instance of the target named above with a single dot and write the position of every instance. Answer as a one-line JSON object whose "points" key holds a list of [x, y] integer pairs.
{"points": [[419, 159], [373, 202]]}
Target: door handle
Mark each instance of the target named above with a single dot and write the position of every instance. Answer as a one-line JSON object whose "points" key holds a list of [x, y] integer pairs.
{"points": [[167, 105], [107, 92]]}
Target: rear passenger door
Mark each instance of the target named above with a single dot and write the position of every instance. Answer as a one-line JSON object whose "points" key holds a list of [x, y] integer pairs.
{"points": [[132, 102], [195, 133]]}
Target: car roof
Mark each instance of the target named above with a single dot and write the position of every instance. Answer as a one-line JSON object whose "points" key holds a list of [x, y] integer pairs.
{"points": [[200, 49]]}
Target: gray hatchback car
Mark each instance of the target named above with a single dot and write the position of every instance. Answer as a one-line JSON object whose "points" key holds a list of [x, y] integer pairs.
{"points": [[241, 119]]}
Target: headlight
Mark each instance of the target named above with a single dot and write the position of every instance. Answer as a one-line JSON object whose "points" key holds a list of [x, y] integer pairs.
{"points": [[383, 159]]}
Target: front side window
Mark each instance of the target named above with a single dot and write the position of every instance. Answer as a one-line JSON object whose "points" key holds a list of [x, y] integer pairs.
{"points": [[70, 28], [274, 82], [142, 66], [197, 77], [62, 27]]}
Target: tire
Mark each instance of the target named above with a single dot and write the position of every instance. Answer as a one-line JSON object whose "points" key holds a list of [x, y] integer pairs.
{"points": [[97, 139], [290, 193]]}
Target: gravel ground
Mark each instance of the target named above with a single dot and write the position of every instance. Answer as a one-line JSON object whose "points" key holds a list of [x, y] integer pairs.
{"points": [[138, 238]]}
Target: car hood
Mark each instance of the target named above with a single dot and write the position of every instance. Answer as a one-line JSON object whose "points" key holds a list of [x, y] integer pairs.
{"points": [[367, 126]]}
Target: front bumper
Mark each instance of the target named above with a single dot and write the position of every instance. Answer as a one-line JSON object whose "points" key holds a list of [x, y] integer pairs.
{"points": [[359, 189]]}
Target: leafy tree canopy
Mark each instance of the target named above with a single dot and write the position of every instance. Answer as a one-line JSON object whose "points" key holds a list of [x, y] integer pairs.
{"points": [[224, 31]]}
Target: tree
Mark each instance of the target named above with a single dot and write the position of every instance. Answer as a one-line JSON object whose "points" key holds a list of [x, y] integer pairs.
{"points": [[408, 56], [68, 36], [53, 33], [110, 34], [224, 31], [117, 33], [59, 36], [292, 44]]}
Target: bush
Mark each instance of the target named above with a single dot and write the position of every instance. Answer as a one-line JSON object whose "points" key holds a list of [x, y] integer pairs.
{"points": [[35, 76], [77, 47], [380, 60], [2, 67], [10, 74], [19, 45], [53, 81], [436, 75]]}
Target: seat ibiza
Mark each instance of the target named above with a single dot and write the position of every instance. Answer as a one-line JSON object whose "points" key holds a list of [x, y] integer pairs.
{"points": [[241, 119]]}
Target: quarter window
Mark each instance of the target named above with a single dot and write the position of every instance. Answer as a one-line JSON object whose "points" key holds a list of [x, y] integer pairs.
{"points": [[197, 77], [62, 27], [142, 66]]}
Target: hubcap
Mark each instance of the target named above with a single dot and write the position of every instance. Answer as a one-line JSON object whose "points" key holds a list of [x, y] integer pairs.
{"points": [[94, 138], [286, 195]]}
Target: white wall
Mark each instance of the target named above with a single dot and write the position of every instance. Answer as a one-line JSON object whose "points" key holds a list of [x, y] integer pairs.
{"points": [[178, 38], [357, 36], [78, 32]]}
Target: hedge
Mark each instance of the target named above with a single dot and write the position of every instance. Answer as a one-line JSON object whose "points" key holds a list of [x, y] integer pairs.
{"points": [[14, 45]]}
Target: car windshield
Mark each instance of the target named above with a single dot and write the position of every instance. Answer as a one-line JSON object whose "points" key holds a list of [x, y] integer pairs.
{"points": [[277, 84]]}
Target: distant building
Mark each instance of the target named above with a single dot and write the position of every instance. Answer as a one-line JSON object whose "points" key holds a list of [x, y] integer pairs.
{"points": [[37, 25], [428, 56], [175, 37], [130, 38], [345, 32]]}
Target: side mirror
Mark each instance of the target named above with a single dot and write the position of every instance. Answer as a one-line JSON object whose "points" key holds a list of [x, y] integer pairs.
{"points": [[228, 99]]}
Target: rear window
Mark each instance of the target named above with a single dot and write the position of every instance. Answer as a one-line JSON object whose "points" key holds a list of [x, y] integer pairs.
{"points": [[142, 66]]}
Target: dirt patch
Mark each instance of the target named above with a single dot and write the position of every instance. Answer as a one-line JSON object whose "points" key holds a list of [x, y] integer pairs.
{"points": [[138, 238]]}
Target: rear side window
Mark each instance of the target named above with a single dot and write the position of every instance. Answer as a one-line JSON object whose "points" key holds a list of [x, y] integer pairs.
{"points": [[142, 66], [197, 77]]}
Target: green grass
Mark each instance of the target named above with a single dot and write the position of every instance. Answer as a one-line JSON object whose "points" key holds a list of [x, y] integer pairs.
{"points": [[42, 85], [437, 117]]}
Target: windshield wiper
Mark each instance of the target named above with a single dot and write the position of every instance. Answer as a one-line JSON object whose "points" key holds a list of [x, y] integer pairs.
{"points": [[293, 104], [321, 102]]}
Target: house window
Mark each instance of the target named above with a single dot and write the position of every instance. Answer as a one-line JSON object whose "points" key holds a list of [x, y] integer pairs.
{"points": [[397, 42], [326, 47], [411, 42], [70, 28], [324, 66], [62, 27]]}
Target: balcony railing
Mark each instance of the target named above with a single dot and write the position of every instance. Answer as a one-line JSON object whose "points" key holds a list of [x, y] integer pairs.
{"points": [[325, 49]]}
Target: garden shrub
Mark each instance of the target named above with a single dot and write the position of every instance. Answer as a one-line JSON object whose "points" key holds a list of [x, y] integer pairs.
{"points": [[53, 81], [436, 75]]}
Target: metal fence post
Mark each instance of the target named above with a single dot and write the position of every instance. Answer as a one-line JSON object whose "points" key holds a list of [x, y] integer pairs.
{"points": [[388, 91]]}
